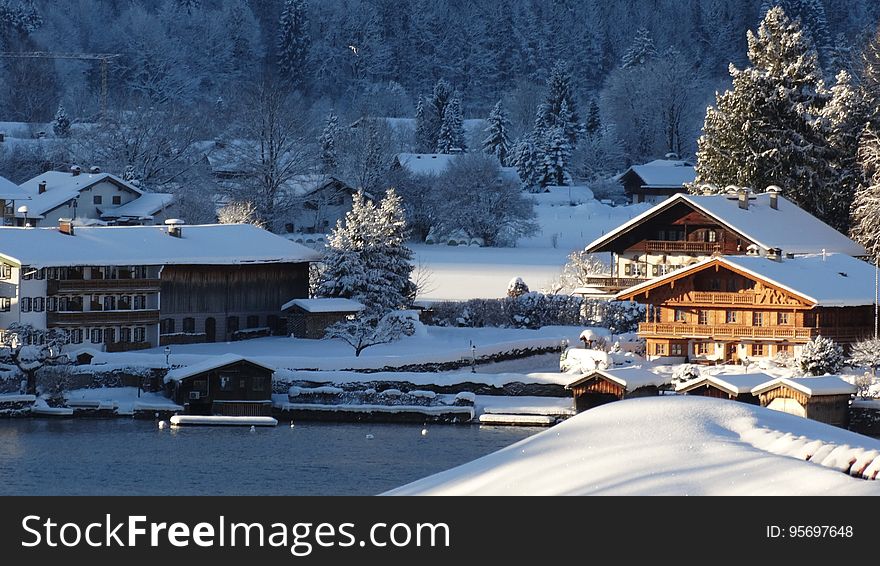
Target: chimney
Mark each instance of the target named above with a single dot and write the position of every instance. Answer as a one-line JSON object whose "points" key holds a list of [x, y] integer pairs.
{"points": [[742, 197], [773, 191], [41, 188], [94, 170], [175, 227], [65, 226], [774, 254], [75, 170]]}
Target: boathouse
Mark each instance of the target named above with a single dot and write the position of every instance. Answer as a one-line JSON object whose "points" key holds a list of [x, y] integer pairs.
{"points": [[602, 386], [824, 399], [227, 385], [737, 387]]}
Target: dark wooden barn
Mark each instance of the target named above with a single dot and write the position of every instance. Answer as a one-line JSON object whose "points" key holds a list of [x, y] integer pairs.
{"points": [[824, 399], [309, 318], [606, 385], [227, 385], [733, 386]]}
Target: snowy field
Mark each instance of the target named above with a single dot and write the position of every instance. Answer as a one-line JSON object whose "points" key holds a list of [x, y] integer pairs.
{"points": [[678, 445], [459, 272]]}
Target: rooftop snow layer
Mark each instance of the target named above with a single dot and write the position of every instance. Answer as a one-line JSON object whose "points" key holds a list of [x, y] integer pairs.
{"points": [[438, 163], [823, 385], [144, 206], [11, 191], [208, 365], [213, 244], [735, 384], [62, 187], [325, 305], [665, 173], [630, 378], [787, 227]]}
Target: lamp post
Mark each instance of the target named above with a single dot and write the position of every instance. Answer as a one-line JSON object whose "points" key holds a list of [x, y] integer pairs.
{"points": [[167, 356], [473, 358]]}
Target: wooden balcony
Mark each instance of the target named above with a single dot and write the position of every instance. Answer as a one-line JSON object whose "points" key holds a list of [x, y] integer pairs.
{"points": [[722, 332], [103, 318], [681, 246], [56, 286], [617, 283], [718, 298]]}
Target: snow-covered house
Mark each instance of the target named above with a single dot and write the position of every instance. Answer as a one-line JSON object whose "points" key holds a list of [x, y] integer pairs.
{"points": [[824, 398], [602, 386], [95, 197], [309, 318], [657, 180], [227, 385], [133, 287], [737, 386], [434, 164], [736, 308], [11, 196], [686, 229], [321, 200]]}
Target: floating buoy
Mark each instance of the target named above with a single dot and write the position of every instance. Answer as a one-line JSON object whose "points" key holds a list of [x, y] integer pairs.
{"points": [[253, 428], [291, 424], [369, 437], [424, 432], [162, 424]]}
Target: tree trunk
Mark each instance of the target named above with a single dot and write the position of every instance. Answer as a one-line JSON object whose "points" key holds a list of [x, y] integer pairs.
{"points": [[31, 382]]}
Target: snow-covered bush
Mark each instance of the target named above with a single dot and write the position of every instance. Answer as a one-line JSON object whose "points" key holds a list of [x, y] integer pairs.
{"points": [[685, 372], [820, 356], [865, 386], [865, 354], [517, 288]]}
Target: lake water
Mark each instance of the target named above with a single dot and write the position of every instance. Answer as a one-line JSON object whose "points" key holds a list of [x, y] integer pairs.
{"points": [[128, 457]]}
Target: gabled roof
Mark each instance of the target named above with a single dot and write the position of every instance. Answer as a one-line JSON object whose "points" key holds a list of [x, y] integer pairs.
{"points": [[812, 386], [63, 187], [787, 227], [732, 384], [630, 378], [831, 280], [210, 364], [213, 244], [11, 191], [145, 206], [663, 173], [332, 304], [438, 163]]}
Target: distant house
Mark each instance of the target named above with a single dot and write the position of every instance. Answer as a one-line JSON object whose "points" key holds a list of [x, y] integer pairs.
{"points": [[602, 386], [322, 200], [227, 385], [737, 387], [434, 164], [825, 399], [11, 197], [309, 318], [657, 180], [93, 197]]}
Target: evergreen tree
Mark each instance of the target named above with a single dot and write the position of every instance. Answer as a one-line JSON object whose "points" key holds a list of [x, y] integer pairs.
{"points": [[820, 356], [345, 272], [559, 93], [641, 51], [450, 138], [594, 120], [373, 167], [434, 112], [61, 123], [865, 216], [557, 155], [293, 41], [394, 257], [764, 131], [497, 141], [814, 23], [423, 129], [528, 160], [870, 78], [329, 157]]}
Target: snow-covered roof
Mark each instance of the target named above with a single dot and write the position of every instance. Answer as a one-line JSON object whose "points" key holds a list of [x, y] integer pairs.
{"points": [[812, 386], [830, 280], [212, 244], [144, 206], [209, 365], [734, 384], [630, 378], [11, 191], [787, 227], [325, 305], [438, 163], [664, 173], [63, 187]]}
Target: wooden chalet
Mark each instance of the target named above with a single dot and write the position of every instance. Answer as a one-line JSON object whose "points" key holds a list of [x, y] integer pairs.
{"points": [[309, 318], [227, 385], [729, 309], [602, 386], [685, 229], [825, 399], [657, 180], [737, 387]]}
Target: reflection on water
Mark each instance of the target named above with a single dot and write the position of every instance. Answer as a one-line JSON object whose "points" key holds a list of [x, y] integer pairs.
{"points": [[123, 457]]}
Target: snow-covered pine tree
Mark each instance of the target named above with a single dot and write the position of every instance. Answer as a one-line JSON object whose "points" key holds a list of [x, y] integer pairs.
{"points": [[497, 141], [866, 354], [820, 356], [19, 16], [865, 212], [559, 94], [764, 131], [345, 273], [293, 41], [393, 256], [641, 51], [557, 156], [435, 110], [869, 77], [329, 157], [446, 137], [424, 144], [528, 160], [61, 123], [516, 288], [814, 22], [594, 120]]}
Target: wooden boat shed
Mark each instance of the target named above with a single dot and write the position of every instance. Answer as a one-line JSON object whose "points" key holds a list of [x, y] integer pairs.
{"points": [[310, 318], [737, 387], [825, 399], [602, 386], [227, 385]]}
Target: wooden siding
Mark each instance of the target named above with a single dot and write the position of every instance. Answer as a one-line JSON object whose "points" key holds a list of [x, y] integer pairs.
{"points": [[102, 318], [830, 409]]}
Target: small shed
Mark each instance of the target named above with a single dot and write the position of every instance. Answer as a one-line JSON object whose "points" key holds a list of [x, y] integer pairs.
{"points": [[602, 386], [309, 318], [729, 386], [227, 385], [824, 399]]}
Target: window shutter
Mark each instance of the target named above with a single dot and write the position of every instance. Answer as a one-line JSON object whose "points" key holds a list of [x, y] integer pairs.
{"points": [[655, 270], [627, 269]]}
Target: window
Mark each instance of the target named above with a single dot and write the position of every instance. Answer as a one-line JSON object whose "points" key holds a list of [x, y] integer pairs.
{"points": [[140, 334], [109, 335], [117, 200], [232, 324], [702, 348], [783, 318], [703, 317], [125, 334], [273, 324], [27, 273], [109, 303], [97, 199], [714, 284], [97, 273], [25, 304], [52, 273], [757, 349], [166, 326], [659, 349], [39, 304], [5, 271], [189, 325], [227, 382], [72, 304], [51, 304], [5, 304], [783, 349], [40, 274], [97, 336], [258, 383], [757, 319], [253, 321], [140, 302], [731, 317], [733, 285], [124, 303], [76, 336], [676, 350], [680, 315], [711, 236]]}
